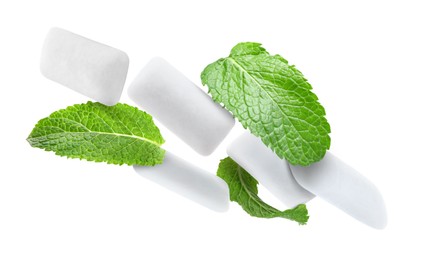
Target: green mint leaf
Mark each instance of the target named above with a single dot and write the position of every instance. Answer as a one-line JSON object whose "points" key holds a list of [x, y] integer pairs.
{"points": [[273, 100], [119, 134], [243, 190]]}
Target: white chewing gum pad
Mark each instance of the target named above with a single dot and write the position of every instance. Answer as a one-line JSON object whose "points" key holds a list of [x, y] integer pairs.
{"points": [[181, 106], [271, 171], [88, 67], [339, 184], [188, 181]]}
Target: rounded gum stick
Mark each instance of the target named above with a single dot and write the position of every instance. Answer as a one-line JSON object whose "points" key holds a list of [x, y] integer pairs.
{"points": [[269, 170], [188, 181], [339, 184], [181, 106], [85, 66]]}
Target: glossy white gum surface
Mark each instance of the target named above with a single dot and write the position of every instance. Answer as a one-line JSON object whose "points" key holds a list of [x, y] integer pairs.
{"points": [[181, 106], [188, 181], [341, 185], [88, 67]]}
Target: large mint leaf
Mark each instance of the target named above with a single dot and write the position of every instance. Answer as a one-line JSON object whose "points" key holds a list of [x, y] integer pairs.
{"points": [[243, 190], [273, 100], [119, 134]]}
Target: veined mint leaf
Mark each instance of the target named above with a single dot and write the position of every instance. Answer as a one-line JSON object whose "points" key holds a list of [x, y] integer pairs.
{"points": [[273, 99], [119, 134], [243, 190]]}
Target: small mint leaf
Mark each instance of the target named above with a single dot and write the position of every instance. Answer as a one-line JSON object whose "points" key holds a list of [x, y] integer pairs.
{"points": [[243, 190]]}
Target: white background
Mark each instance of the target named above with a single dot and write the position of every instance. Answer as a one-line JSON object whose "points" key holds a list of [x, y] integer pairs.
{"points": [[367, 61]]}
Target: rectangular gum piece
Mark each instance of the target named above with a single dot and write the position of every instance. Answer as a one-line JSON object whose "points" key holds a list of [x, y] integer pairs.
{"points": [[339, 184], [93, 69], [188, 181], [181, 106]]}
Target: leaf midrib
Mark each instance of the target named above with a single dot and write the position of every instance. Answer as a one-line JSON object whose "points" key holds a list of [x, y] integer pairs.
{"points": [[270, 97], [251, 194], [103, 133]]}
